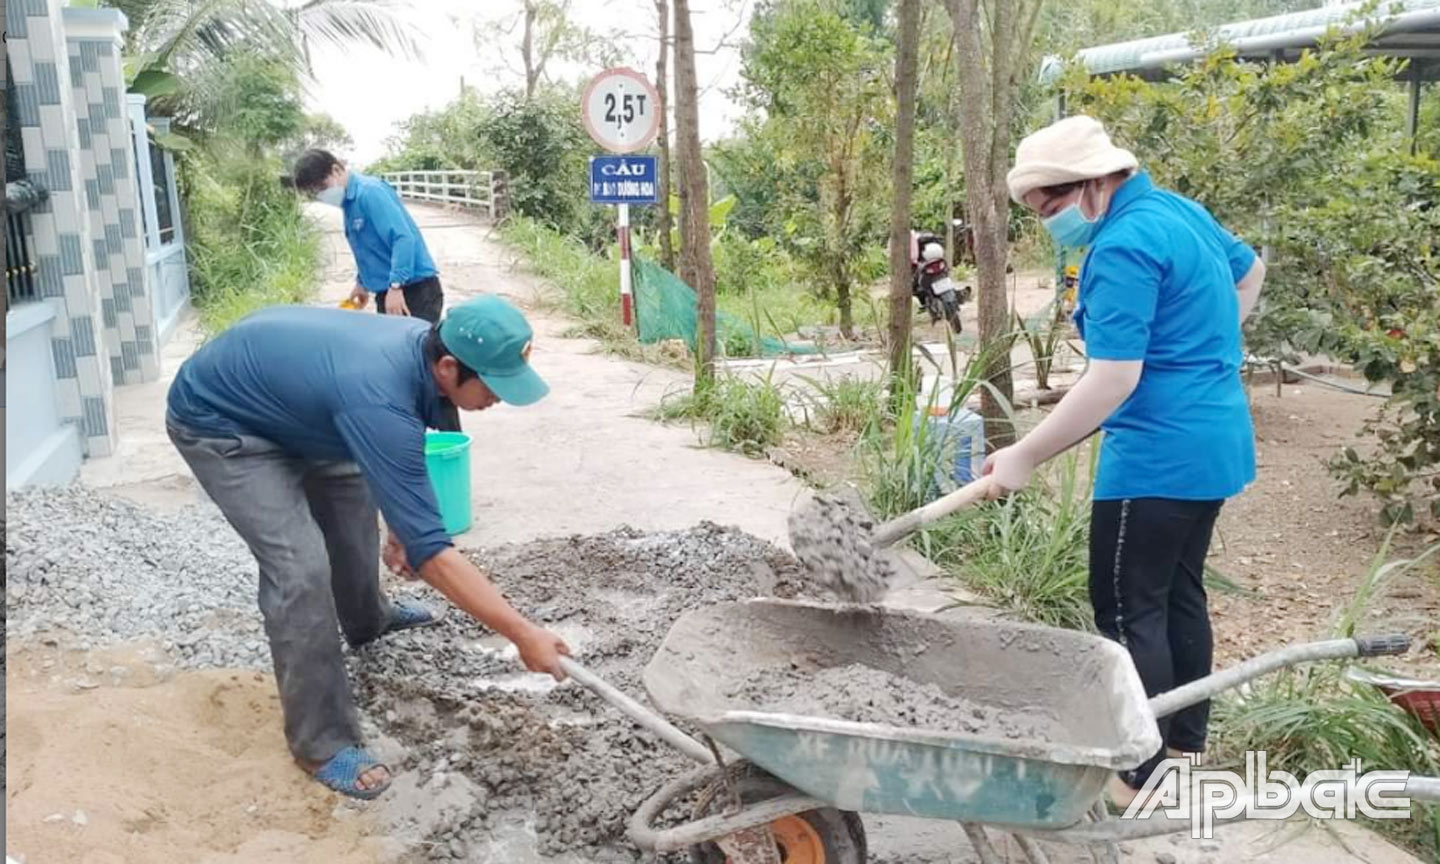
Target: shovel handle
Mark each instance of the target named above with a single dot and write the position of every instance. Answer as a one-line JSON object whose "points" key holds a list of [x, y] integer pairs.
{"points": [[652, 721], [902, 526]]}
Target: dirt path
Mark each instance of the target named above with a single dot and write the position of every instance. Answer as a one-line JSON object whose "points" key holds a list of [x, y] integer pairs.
{"points": [[1301, 550], [582, 460]]}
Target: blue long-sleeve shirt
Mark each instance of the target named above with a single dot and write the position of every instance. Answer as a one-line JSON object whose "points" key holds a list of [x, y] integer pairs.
{"points": [[289, 375], [386, 241]]}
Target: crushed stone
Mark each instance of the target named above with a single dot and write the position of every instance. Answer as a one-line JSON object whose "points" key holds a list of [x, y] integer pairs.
{"points": [[862, 694], [105, 570], [831, 534]]}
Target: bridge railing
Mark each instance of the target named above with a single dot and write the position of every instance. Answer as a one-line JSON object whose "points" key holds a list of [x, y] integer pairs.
{"points": [[476, 190]]}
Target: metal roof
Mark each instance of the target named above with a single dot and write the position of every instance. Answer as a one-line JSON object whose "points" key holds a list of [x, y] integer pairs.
{"points": [[1411, 29]]}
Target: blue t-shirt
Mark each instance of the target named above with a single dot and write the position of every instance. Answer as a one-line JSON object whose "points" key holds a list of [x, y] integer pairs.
{"points": [[1159, 286], [326, 384], [386, 241]]}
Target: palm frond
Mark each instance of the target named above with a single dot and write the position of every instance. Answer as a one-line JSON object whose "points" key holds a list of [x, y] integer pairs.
{"points": [[181, 36], [344, 23]]}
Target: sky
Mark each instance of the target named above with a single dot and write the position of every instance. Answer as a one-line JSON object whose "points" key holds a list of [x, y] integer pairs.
{"points": [[368, 91]]}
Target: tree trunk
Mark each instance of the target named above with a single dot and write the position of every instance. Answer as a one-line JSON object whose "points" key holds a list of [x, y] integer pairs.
{"points": [[981, 138], [902, 177], [838, 232], [667, 244], [527, 49], [695, 237]]}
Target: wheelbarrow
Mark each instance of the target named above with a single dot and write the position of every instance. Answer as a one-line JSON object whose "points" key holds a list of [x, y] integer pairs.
{"points": [[795, 793]]}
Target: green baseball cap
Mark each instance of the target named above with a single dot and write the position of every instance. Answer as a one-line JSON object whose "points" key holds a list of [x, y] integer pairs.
{"points": [[491, 336]]}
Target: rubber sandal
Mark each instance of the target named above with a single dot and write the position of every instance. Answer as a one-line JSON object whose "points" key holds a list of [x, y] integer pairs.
{"points": [[343, 771], [407, 616]]}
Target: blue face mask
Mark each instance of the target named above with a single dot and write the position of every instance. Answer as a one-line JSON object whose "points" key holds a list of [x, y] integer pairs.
{"points": [[1070, 228], [332, 195]]}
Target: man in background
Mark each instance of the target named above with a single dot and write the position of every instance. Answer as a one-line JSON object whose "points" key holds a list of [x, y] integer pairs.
{"points": [[390, 255]]}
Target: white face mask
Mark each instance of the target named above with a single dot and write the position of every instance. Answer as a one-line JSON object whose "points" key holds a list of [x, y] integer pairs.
{"points": [[332, 195]]}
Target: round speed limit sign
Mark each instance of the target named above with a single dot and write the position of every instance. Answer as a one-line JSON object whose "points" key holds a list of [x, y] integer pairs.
{"points": [[622, 110]]}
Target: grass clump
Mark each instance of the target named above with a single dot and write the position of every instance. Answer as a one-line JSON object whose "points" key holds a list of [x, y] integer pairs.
{"points": [[1030, 551], [589, 283], [1314, 718], [746, 415], [846, 404]]}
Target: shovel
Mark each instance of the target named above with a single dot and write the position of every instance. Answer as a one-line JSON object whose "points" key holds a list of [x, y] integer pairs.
{"points": [[897, 529]]}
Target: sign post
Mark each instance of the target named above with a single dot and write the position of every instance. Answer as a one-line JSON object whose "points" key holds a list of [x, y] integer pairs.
{"points": [[622, 114]]}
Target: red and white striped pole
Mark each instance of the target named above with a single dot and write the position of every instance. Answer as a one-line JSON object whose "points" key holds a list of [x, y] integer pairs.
{"points": [[622, 228]]}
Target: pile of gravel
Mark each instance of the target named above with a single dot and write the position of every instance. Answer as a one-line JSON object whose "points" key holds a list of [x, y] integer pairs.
{"points": [[104, 570]]}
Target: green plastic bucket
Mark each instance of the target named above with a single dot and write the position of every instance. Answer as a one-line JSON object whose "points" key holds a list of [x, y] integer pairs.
{"points": [[447, 458]]}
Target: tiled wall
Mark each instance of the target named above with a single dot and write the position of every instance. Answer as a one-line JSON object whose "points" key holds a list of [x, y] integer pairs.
{"points": [[64, 248], [90, 265], [112, 195]]}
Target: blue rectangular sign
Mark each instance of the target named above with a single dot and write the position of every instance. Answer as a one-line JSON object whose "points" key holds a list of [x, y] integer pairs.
{"points": [[624, 180]]}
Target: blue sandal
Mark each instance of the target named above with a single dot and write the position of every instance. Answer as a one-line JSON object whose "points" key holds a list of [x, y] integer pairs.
{"points": [[406, 616], [342, 773]]}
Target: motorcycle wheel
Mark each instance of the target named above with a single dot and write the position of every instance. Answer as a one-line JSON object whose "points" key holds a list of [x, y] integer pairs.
{"points": [[952, 313], [936, 310]]}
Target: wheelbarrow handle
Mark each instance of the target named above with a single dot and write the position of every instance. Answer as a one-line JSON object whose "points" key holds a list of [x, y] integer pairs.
{"points": [[1195, 692], [637, 712]]}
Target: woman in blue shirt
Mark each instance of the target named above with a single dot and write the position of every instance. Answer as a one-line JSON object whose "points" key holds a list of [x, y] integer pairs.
{"points": [[1162, 295]]}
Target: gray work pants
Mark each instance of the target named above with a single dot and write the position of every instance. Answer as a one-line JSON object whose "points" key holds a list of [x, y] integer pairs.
{"points": [[314, 532]]}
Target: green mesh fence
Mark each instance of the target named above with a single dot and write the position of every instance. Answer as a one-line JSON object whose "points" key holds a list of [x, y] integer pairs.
{"points": [[665, 308]]}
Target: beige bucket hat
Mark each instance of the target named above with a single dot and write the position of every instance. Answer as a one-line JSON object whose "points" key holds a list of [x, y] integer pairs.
{"points": [[1075, 148]]}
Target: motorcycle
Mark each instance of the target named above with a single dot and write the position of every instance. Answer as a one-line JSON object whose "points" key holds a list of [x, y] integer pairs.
{"points": [[930, 281]]}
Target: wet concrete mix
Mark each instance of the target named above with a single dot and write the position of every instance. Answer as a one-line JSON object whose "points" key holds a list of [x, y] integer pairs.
{"points": [[830, 534], [559, 757], [866, 695]]}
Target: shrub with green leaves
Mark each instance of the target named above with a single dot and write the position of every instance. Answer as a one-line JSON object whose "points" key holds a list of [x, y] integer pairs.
{"points": [[1371, 255], [542, 145], [1309, 159], [248, 241]]}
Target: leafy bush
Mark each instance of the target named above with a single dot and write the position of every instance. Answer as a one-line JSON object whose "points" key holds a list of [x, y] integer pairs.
{"points": [[1370, 256], [249, 244], [542, 145]]}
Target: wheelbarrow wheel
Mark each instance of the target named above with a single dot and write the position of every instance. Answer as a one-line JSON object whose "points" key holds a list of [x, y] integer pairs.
{"points": [[821, 836]]}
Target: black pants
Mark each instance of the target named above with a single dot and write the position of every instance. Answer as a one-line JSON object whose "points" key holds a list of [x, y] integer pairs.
{"points": [[425, 300], [423, 297], [1147, 566]]}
